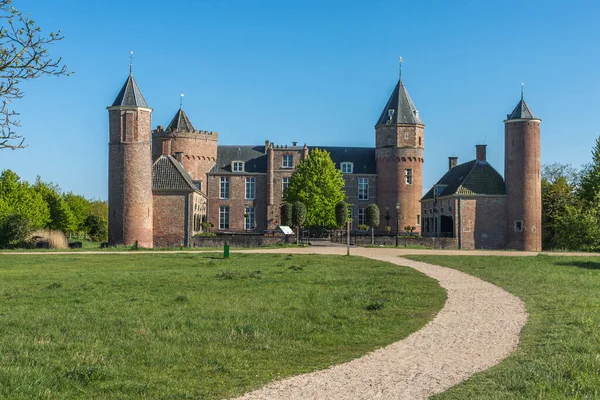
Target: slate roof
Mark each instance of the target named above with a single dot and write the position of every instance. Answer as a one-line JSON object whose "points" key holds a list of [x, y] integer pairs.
{"points": [[130, 95], [363, 158], [521, 111], [470, 178], [180, 123], [254, 158], [169, 174], [405, 111]]}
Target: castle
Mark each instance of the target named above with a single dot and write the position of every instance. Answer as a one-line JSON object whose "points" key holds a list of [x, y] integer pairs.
{"points": [[164, 183]]}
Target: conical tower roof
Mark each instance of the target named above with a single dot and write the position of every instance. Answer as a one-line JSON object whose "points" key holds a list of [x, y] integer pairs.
{"points": [[180, 122], [404, 111], [521, 111], [130, 95]]}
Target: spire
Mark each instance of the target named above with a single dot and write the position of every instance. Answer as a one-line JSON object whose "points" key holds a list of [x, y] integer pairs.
{"points": [[180, 123], [130, 95], [400, 108], [522, 110]]}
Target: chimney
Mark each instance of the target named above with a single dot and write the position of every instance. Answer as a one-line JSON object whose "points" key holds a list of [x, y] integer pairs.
{"points": [[166, 147], [294, 144], [179, 156], [266, 146], [480, 152], [452, 162], [159, 128]]}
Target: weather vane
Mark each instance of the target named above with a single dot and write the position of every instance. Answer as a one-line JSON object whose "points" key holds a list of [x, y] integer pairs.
{"points": [[522, 90], [130, 61], [400, 60], [181, 100]]}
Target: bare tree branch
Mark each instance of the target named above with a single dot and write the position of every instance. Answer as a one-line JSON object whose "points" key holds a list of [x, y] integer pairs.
{"points": [[23, 56]]}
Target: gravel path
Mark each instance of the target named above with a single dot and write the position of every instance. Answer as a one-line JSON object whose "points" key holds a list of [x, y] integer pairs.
{"points": [[478, 326]]}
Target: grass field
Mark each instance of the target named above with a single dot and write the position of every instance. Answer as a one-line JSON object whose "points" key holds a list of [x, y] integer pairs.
{"points": [[559, 354], [178, 326]]}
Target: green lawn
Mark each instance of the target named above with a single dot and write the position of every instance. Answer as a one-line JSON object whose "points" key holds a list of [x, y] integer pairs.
{"points": [[178, 326], [559, 354]]}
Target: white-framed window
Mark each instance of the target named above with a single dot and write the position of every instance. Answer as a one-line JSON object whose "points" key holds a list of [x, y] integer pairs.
{"points": [[237, 166], [347, 167], [287, 161], [250, 188], [223, 217], [362, 216], [285, 183], [363, 188], [250, 218], [518, 226], [408, 176], [418, 219], [406, 135], [224, 188]]}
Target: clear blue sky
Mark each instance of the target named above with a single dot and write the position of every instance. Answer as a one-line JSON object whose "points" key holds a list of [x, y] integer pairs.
{"points": [[312, 71]]}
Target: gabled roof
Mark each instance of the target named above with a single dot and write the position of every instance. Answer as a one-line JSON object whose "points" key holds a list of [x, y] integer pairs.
{"points": [[180, 122], [521, 111], [404, 110], [169, 174], [254, 158], [362, 158], [470, 178], [130, 95]]}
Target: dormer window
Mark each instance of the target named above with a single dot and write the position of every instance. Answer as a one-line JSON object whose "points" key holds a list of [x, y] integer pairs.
{"points": [[237, 166], [347, 167]]}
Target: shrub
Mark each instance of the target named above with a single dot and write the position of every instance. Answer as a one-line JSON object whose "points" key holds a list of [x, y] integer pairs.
{"points": [[53, 239], [14, 230], [286, 214]]}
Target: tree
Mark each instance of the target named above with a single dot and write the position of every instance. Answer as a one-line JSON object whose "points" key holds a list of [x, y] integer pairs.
{"points": [[14, 229], [372, 219], [341, 214], [23, 56], [96, 228], [558, 191], [319, 185], [80, 207], [21, 199], [298, 217], [578, 229], [61, 216], [286, 214], [589, 190]]}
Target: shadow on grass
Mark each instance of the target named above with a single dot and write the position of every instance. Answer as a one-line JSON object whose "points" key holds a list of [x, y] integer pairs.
{"points": [[581, 264]]}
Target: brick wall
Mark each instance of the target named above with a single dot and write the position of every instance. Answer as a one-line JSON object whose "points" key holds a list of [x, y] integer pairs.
{"points": [[237, 202], [170, 218], [523, 184], [130, 177], [237, 241]]}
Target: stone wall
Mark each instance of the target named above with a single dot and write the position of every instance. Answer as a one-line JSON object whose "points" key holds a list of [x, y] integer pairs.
{"points": [[238, 241]]}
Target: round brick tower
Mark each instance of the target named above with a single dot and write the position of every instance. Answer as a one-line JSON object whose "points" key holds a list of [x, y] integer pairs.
{"points": [[400, 142], [199, 148], [523, 179], [130, 169]]}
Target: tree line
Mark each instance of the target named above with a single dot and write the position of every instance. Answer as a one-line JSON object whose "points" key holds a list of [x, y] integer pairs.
{"points": [[571, 205], [26, 207]]}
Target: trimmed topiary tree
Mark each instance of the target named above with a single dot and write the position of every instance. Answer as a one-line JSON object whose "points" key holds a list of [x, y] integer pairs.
{"points": [[298, 217], [372, 219], [341, 214], [286, 214]]}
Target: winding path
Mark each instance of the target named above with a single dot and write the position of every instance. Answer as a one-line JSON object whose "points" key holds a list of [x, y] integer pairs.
{"points": [[478, 327]]}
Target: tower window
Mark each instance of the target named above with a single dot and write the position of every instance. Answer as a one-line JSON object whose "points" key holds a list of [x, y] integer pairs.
{"points": [[406, 135], [238, 166], [250, 188], [223, 217], [250, 218], [389, 141], [285, 183], [408, 178], [361, 216], [224, 188], [420, 141], [418, 219], [518, 226], [363, 188], [347, 167], [288, 161]]}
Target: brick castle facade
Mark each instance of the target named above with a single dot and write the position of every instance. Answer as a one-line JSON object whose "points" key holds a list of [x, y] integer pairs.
{"points": [[165, 183]]}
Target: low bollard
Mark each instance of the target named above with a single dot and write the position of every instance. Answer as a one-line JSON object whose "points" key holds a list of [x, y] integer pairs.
{"points": [[226, 251]]}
